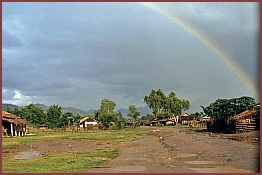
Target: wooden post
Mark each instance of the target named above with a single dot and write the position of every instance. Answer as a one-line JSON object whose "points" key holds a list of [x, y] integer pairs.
{"points": [[15, 127], [11, 129], [22, 129], [19, 130]]}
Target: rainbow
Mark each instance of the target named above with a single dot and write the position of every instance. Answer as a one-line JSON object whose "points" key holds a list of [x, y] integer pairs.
{"points": [[229, 61]]}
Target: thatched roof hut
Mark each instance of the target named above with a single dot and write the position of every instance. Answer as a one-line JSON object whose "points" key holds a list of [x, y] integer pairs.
{"points": [[13, 125], [245, 114], [11, 118]]}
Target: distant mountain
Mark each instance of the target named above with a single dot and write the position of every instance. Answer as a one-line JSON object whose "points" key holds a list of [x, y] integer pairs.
{"points": [[11, 106], [74, 111], [144, 110], [44, 107], [123, 111]]}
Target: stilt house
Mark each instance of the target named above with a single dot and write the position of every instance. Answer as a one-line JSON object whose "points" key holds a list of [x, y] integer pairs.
{"points": [[13, 125]]}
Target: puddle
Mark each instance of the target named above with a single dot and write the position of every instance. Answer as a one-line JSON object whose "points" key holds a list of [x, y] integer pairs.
{"points": [[184, 155], [202, 162], [157, 160], [28, 155], [130, 168], [222, 169]]}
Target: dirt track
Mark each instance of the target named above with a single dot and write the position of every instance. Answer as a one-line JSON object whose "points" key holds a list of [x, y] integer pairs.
{"points": [[169, 150]]}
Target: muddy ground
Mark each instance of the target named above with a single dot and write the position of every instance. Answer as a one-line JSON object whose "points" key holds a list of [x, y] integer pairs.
{"points": [[168, 150]]}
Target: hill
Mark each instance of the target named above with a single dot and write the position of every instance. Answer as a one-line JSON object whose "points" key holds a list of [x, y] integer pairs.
{"points": [[73, 110], [143, 110], [11, 106]]}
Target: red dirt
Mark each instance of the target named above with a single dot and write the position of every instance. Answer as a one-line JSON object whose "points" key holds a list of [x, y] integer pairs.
{"points": [[169, 150]]}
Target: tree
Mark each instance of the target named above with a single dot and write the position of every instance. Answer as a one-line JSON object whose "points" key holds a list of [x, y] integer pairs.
{"points": [[54, 113], [226, 108], [17, 112], [156, 101], [32, 113], [133, 113], [107, 106], [67, 119], [165, 106], [8, 109], [106, 115]]}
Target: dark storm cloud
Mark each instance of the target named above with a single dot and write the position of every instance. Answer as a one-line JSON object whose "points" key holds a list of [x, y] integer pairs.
{"points": [[76, 54]]}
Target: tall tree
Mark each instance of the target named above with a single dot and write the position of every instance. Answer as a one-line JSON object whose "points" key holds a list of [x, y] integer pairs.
{"points": [[156, 101], [172, 104], [133, 113], [54, 113], [164, 106], [107, 106], [106, 115]]}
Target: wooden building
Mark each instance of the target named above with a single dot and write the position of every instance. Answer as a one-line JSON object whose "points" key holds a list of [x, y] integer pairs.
{"points": [[144, 122], [87, 123], [205, 119], [162, 122], [13, 125], [129, 122], [246, 121], [186, 119]]}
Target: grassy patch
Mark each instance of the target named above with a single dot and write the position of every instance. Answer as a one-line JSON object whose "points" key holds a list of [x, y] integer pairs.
{"points": [[66, 162], [122, 135]]}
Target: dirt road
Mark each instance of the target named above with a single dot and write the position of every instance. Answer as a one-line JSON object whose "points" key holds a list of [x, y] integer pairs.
{"points": [[170, 150], [165, 150]]}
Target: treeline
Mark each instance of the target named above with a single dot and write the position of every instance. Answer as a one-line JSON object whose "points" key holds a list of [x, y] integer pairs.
{"points": [[163, 106], [53, 116]]}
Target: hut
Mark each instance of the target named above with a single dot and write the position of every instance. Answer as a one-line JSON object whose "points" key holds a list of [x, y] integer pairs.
{"points": [[171, 122], [13, 125], [245, 121], [87, 122], [205, 119], [186, 119], [154, 122], [129, 122], [144, 122]]}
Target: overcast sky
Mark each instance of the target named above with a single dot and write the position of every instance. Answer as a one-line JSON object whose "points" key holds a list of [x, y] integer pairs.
{"points": [[77, 54]]}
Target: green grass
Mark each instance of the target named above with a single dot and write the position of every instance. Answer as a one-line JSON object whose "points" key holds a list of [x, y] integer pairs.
{"points": [[66, 162], [71, 162], [122, 135]]}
